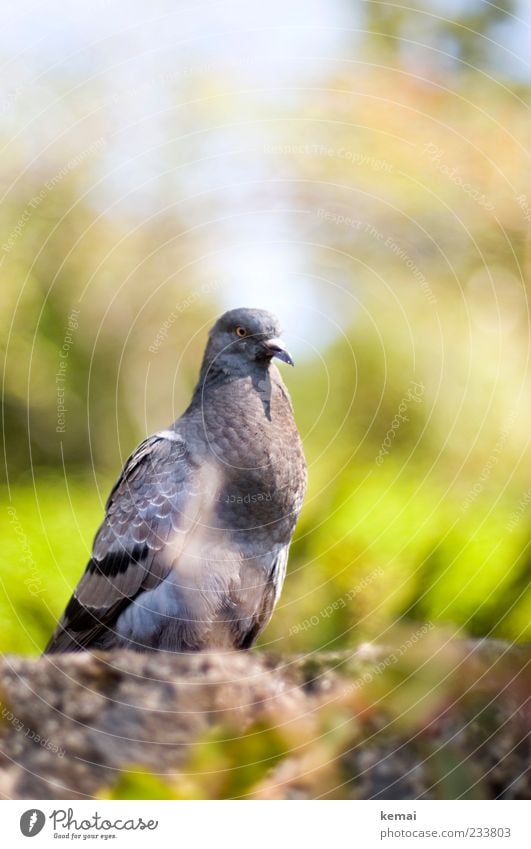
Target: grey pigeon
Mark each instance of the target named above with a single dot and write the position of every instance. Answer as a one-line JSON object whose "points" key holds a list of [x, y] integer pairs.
{"points": [[193, 549]]}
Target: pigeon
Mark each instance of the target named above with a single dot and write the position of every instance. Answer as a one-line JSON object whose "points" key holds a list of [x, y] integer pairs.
{"points": [[193, 549]]}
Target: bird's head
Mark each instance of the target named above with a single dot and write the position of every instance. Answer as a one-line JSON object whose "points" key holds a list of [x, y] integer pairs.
{"points": [[243, 340]]}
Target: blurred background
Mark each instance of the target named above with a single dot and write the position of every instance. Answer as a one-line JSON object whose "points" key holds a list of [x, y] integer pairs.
{"points": [[360, 168]]}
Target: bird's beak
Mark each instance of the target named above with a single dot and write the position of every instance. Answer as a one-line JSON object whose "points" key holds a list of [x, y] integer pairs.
{"points": [[276, 348]]}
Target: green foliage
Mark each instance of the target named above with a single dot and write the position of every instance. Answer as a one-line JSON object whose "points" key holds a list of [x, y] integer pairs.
{"points": [[391, 547], [47, 530], [225, 764], [229, 764], [139, 784]]}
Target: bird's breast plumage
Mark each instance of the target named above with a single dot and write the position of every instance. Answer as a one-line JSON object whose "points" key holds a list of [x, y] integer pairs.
{"points": [[246, 428]]}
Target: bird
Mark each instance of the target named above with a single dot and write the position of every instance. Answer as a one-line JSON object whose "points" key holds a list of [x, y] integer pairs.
{"points": [[193, 549]]}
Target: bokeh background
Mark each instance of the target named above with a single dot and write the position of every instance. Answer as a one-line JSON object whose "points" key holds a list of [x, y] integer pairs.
{"points": [[360, 168]]}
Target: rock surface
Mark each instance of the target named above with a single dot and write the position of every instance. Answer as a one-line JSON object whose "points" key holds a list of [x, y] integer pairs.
{"points": [[450, 720]]}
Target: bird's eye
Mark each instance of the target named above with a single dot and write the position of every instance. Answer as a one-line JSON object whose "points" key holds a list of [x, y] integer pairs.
{"points": [[241, 332]]}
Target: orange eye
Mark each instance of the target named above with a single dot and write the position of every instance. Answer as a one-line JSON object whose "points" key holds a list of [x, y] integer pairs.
{"points": [[241, 332]]}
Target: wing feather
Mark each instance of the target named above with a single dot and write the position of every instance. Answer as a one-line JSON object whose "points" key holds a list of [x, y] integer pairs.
{"points": [[146, 505]]}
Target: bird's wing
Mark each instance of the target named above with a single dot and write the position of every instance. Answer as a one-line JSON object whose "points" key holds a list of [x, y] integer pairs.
{"points": [[146, 506]]}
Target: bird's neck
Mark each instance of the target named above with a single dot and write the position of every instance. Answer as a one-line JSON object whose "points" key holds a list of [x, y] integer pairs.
{"points": [[212, 375]]}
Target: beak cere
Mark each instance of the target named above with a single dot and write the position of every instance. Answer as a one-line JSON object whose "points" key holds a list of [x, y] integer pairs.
{"points": [[276, 348]]}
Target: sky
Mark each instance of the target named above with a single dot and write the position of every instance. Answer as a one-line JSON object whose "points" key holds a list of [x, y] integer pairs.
{"points": [[125, 60]]}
